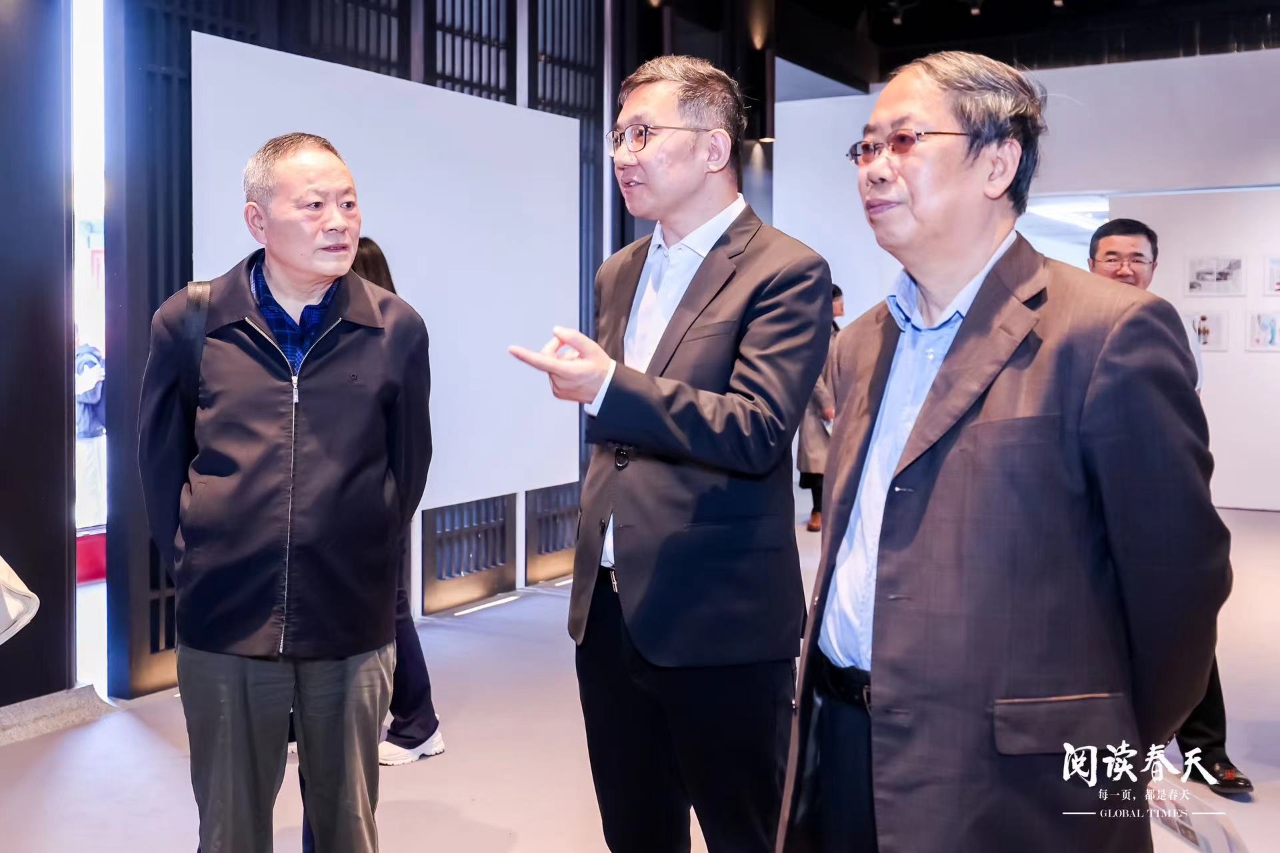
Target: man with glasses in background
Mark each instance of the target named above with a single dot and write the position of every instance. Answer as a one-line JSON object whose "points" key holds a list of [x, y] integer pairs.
{"points": [[1127, 251], [1019, 549], [687, 602]]}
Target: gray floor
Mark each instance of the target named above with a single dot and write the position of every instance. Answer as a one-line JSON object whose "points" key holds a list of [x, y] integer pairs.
{"points": [[91, 635], [515, 775]]}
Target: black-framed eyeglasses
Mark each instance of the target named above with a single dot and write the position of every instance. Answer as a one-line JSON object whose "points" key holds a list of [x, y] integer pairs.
{"points": [[900, 142], [636, 136], [1116, 263]]}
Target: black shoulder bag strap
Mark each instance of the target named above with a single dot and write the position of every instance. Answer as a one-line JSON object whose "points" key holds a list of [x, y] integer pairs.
{"points": [[195, 322]]}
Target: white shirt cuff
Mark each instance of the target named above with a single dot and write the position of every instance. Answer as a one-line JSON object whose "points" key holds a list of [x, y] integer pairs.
{"points": [[593, 408]]}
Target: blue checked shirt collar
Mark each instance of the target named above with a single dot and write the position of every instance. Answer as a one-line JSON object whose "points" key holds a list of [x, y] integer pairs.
{"points": [[294, 338]]}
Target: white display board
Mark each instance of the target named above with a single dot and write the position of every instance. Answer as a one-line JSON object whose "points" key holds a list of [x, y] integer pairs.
{"points": [[475, 204], [815, 194]]}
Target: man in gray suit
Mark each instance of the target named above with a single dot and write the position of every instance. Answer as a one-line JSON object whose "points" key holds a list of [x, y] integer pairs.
{"points": [[687, 601], [1021, 550]]}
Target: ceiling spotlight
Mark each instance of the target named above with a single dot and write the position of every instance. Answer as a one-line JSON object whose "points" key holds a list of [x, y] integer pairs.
{"points": [[975, 8], [1058, 4]]}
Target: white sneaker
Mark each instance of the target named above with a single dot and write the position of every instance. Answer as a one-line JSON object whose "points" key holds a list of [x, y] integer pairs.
{"points": [[390, 755]]}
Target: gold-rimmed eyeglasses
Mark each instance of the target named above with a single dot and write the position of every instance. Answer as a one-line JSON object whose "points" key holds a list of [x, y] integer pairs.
{"points": [[900, 142]]}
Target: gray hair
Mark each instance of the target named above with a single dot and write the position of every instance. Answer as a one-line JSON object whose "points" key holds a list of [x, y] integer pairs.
{"points": [[259, 174], [706, 96], [993, 102]]}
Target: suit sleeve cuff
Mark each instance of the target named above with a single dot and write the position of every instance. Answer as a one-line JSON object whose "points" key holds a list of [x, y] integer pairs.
{"points": [[593, 408]]}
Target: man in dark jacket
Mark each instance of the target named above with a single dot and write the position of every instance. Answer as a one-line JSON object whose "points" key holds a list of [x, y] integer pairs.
{"points": [[280, 471]]}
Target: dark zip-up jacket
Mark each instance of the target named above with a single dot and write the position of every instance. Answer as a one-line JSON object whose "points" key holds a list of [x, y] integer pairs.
{"points": [[279, 500]]}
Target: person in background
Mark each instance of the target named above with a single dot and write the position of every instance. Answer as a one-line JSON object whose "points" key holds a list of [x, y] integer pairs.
{"points": [[414, 732], [415, 728], [815, 429], [284, 445], [91, 436], [1127, 251]]}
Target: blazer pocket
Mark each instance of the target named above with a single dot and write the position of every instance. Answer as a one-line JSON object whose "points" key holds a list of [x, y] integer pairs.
{"points": [[1033, 430], [710, 330], [736, 535], [1041, 726]]}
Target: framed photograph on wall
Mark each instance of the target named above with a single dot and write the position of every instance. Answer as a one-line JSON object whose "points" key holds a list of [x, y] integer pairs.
{"points": [[1210, 327], [1271, 284], [1264, 331], [1215, 275]]}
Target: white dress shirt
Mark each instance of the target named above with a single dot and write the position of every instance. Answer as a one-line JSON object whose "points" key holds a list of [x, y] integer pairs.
{"points": [[845, 634], [667, 273]]}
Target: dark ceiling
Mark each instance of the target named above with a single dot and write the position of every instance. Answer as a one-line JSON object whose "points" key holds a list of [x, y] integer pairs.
{"points": [[1031, 33]]}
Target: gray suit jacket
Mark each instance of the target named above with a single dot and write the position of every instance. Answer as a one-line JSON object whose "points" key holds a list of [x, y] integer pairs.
{"points": [[693, 456], [1051, 566]]}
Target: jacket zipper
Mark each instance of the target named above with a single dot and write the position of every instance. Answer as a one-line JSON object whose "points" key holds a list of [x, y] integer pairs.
{"points": [[293, 452]]}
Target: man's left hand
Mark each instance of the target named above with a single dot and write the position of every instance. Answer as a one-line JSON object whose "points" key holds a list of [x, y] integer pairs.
{"points": [[575, 364]]}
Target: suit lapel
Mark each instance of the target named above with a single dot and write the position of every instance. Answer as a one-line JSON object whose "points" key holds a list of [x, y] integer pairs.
{"points": [[992, 331], [614, 330], [712, 275], [714, 272]]}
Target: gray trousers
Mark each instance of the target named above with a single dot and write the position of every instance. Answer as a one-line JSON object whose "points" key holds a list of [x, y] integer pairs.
{"points": [[237, 712]]}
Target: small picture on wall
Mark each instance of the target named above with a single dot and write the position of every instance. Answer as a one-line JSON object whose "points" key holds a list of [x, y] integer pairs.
{"points": [[1271, 284], [1215, 276], [1264, 331], [1210, 327]]}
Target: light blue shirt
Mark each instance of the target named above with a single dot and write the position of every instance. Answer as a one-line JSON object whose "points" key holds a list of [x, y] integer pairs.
{"points": [[845, 636], [668, 272]]}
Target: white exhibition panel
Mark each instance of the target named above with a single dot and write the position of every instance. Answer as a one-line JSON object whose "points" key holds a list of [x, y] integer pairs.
{"points": [[475, 204], [1167, 124], [1241, 392], [815, 194]]}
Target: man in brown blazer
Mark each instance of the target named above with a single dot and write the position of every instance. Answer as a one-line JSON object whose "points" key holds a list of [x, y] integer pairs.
{"points": [[687, 601], [1021, 552]]}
